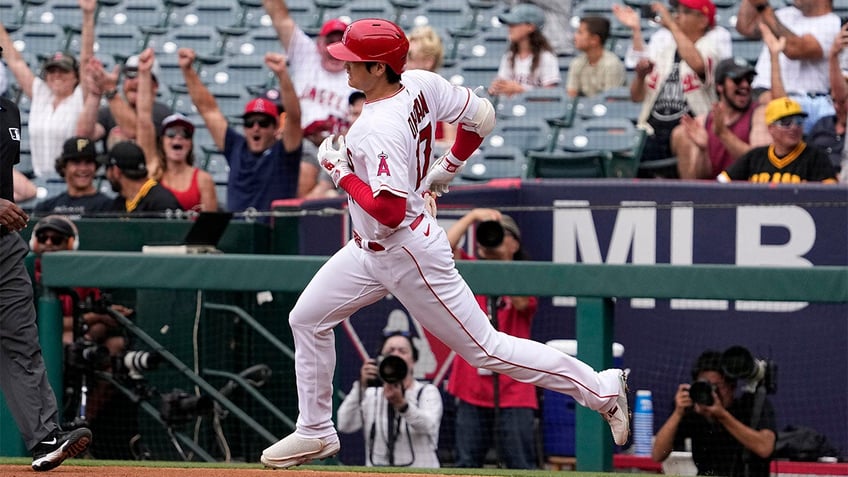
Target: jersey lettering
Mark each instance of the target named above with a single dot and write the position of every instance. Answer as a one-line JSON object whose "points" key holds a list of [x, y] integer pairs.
{"points": [[419, 110], [383, 167], [776, 178], [425, 152]]}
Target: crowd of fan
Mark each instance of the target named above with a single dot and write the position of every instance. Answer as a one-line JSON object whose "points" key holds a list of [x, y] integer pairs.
{"points": [[782, 119]]}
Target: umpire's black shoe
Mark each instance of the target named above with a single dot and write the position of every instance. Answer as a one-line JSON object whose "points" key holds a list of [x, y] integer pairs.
{"points": [[58, 446]]}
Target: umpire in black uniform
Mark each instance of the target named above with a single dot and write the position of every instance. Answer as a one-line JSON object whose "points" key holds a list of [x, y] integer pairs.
{"points": [[23, 378]]}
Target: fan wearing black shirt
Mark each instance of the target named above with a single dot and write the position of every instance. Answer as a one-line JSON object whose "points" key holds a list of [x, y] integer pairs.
{"points": [[126, 171], [78, 166]]}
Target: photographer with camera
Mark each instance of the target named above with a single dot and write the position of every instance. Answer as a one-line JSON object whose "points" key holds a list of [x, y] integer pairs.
{"points": [[731, 435], [399, 415], [94, 342], [494, 407]]}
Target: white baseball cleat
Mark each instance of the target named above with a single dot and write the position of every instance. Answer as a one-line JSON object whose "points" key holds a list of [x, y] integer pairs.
{"points": [[618, 417], [295, 450]]}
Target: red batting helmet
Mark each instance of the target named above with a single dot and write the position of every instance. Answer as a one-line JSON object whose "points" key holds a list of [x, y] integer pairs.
{"points": [[372, 39]]}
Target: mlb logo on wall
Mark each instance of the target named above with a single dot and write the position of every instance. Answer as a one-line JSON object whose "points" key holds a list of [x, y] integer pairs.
{"points": [[15, 134]]}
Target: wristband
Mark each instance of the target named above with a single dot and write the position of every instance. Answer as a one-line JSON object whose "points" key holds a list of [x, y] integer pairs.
{"points": [[111, 93], [761, 8]]}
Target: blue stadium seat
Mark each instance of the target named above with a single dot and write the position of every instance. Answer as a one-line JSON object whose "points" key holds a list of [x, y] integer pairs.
{"points": [[239, 71], [614, 103], [140, 13], [251, 11], [617, 136], [495, 163], [566, 164], [40, 39], [211, 12], [204, 39], [530, 133], [257, 41], [542, 103], [114, 40], [60, 12], [231, 100]]}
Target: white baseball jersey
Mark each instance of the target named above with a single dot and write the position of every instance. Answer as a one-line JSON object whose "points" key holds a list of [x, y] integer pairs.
{"points": [[391, 144], [802, 76], [322, 94], [390, 148]]}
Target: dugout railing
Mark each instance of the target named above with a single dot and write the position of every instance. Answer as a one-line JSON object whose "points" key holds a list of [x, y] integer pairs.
{"points": [[595, 286]]}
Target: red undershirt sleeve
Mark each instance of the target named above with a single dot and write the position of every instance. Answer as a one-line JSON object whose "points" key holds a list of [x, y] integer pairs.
{"points": [[466, 143], [386, 207]]}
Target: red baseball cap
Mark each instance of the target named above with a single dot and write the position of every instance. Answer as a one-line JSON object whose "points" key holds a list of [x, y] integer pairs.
{"points": [[260, 106], [333, 25], [706, 7]]}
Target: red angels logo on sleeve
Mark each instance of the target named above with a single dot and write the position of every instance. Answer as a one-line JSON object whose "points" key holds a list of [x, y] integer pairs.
{"points": [[383, 166]]}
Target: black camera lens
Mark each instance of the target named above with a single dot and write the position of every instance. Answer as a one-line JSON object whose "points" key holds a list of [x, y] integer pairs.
{"points": [[701, 392], [738, 362], [392, 369], [490, 233]]}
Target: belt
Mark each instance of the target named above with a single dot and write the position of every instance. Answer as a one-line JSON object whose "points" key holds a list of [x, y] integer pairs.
{"points": [[375, 246]]}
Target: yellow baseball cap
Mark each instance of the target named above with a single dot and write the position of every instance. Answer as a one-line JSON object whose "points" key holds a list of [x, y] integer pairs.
{"points": [[781, 108]]}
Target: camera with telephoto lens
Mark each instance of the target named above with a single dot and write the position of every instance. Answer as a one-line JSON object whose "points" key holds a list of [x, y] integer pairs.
{"points": [[132, 363], [391, 369], [490, 233], [737, 363]]}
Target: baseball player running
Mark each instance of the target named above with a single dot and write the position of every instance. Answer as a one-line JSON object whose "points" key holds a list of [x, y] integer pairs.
{"points": [[399, 248]]}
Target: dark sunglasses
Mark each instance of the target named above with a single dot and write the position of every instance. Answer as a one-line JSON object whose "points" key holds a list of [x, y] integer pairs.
{"points": [[174, 132], [131, 73], [739, 80], [54, 239], [789, 122], [262, 122]]}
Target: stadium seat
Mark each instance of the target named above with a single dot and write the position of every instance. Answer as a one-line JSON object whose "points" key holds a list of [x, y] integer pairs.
{"points": [[211, 12], [250, 13], [23, 13], [617, 136], [240, 71], [475, 72], [170, 73], [257, 41], [321, 15], [204, 39], [543, 103], [566, 164], [114, 40], [494, 163], [525, 134], [59, 12], [139, 13], [39, 39], [370, 9], [747, 49], [613, 103], [231, 100]]}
